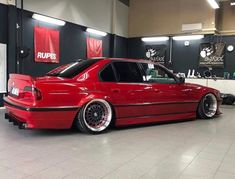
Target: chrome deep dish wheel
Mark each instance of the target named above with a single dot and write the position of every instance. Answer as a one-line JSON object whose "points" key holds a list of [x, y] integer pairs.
{"points": [[209, 103], [97, 115]]}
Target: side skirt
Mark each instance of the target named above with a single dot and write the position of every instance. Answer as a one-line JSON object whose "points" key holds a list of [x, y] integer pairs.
{"points": [[155, 118]]}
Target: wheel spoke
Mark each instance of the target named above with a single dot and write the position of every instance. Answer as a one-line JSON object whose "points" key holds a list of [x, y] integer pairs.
{"points": [[97, 115], [209, 105]]}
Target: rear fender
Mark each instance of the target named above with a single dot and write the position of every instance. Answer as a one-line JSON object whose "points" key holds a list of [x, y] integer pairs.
{"points": [[98, 96]]}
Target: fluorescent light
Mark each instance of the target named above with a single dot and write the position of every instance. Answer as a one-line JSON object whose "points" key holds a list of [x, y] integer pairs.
{"points": [[97, 32], [214, 4], [154, 39], [48, 19], [232, 3], [188, 37]]}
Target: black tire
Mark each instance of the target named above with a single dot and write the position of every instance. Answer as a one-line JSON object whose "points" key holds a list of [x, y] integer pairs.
{"points": [[207, 107], [95, 117]]}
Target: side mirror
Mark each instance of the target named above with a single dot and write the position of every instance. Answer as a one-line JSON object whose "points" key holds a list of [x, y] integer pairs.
{"points": [[181, 80]]}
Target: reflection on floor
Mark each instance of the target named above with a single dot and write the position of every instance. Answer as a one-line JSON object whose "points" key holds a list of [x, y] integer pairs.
{"points": [[194, 149]]}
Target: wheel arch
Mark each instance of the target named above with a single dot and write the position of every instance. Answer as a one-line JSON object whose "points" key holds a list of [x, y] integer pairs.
{"points": [[203, 95], [205, 92], [88, 99]]}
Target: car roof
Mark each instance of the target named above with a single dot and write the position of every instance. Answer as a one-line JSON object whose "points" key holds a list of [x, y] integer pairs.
{"points": [[129, 60], [116, 59], [125, 60]]}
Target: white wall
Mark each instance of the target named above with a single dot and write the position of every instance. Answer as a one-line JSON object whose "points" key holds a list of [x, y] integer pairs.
{"points": [[8, 2], [106, 15], [97, 14], [3, 68], [3, 1], [90, 13], [165, 17], [121, 19]]}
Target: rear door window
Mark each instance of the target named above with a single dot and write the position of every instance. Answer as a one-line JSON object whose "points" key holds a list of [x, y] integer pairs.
{"points": [[107, 74], [128, 72], [72, 69]]}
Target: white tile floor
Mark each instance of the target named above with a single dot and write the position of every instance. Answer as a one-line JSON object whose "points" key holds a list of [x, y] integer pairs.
{"points": [[188, 150]]}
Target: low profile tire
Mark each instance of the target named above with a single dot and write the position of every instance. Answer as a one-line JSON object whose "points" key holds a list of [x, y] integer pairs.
{"points": [[95, 117], [207, 107]]}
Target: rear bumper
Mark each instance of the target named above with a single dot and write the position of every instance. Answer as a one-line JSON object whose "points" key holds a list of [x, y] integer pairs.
{"points": [[41, 118], [16, 122]]}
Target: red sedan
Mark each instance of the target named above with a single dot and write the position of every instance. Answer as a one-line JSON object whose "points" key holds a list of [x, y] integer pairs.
{"points": [[94, 94]]}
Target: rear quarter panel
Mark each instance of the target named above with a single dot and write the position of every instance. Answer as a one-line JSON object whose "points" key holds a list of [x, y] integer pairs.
{"points": [[71, 92], [63, 94]]}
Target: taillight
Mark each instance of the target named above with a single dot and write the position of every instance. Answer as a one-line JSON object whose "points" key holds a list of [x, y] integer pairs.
{"points": [[38, 94], [29, 90]]}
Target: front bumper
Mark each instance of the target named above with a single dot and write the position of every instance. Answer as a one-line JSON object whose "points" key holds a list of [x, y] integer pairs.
{"points": [[219, 100], [60, 117]]}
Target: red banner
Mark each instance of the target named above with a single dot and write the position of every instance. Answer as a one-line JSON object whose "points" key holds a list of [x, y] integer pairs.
{"points": [[94, 48], [46, 45]]}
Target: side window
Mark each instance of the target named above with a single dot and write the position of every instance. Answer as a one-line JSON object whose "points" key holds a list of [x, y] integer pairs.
{"points": [[107, 74], [157, 74], [128, 72]]}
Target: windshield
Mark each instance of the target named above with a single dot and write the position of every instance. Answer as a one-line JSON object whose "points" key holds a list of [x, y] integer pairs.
{"points": [[72, 69]]}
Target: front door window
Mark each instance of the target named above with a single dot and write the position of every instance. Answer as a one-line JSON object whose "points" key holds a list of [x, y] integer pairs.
{"points": [[157, 74]]}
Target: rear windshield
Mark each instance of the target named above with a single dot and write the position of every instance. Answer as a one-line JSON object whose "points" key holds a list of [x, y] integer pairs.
{"points": [[72, 69]]}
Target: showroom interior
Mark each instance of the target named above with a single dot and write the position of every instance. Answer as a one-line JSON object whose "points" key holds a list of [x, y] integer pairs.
{"points": [[193, 39]]}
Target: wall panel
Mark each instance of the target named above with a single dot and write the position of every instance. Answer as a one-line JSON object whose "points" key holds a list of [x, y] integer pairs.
{"points": [[187, 57], [159, 17], [3, 32], [72, 45]]}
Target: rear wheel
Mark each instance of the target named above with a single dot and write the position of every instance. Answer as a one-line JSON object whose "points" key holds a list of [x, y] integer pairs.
{"points": [[207, 107], [95, 117]]}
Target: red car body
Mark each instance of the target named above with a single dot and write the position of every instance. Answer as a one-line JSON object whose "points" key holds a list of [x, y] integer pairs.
{"points": [[53, 102]]}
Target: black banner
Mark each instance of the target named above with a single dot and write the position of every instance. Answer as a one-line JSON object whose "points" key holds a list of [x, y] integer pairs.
{"points": [[156, 53], [212, 54]]}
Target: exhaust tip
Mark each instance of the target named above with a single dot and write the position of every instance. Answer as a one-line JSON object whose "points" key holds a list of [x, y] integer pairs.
{"points": [[7, 116], [15, 122], [23, 126]]}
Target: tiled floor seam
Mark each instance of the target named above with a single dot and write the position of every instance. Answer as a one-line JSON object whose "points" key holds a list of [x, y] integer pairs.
{"points": [[125, 163], [38, 172], [194, 158], [185, 167], [222, 160]]}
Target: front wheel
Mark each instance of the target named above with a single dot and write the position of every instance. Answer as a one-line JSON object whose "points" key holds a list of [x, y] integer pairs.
{"points": [[95, 117], [207, 107]]}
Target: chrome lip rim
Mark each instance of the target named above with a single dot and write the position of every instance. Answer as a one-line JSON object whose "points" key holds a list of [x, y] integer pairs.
{"points": [[97, 115], [210, 105]]}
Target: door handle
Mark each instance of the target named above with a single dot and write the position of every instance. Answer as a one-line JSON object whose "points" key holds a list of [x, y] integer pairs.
{"points": [[135, 91], [115, 90]]}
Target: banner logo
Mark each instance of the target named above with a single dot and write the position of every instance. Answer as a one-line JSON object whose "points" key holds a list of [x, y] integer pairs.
{"points": [[42, 55], [212, 54], [156, 53], [46, 45], [94, 48]]}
